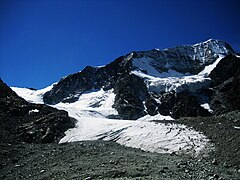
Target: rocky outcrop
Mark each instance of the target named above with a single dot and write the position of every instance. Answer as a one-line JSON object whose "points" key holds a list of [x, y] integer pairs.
{"points": [[226, 85], [227, 68], [151, 106], [187, 105], [130, 93], [183, 104], [222, 95], [21, 121], [69, 89]]}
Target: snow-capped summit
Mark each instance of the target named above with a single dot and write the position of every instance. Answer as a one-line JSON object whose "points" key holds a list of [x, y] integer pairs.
{"points": [[172, 62], [183, 59]]}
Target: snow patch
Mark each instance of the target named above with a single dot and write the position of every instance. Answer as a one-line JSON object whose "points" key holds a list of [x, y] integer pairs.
{"points": [[144, 64], [95, 103], [238, 56], [33, 111], [208, 69], [157, 117], [92, 124], [207, 107], [129, 56], [33, 96], [172, 81], [174, 84]]}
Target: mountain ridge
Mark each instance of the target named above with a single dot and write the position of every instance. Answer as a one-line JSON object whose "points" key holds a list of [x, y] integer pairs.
{"points": [[181, 66]]}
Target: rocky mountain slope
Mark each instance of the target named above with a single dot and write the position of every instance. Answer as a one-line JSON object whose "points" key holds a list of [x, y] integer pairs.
{"points": [[21, 121], [174, 81]]}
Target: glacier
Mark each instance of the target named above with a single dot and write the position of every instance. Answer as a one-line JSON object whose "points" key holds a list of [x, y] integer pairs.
{"points": [[92, 110]]}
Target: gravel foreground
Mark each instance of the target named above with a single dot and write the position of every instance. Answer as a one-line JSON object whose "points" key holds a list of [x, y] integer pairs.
{"points": [[224, 132], [103, 160]]}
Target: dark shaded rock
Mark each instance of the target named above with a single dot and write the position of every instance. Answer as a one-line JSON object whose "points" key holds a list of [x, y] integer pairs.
{"points": [[130, 91], [214, 162], [227, 68], [226, 97], [21, 121], [69, 89], [181, 104], [187, 105], [8, 93], [151, 105], [167, 103], [45, 128], [226, 82]]}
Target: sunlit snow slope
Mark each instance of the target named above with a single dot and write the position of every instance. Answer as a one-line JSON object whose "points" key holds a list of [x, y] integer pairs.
{"points": [[172, 81], [33, 96], [92, 110]]}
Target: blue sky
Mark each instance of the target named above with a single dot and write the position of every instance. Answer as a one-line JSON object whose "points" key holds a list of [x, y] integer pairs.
{"points": [[44, 40]]}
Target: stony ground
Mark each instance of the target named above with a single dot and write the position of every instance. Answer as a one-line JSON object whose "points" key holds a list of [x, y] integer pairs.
{"points": [[108, 160], [224, 132], [103, 160]]}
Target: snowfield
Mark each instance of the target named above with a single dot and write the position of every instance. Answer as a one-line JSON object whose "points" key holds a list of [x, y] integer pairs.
{"points": [[174, 84], [172, 81], [92, 111], [33, 96]]}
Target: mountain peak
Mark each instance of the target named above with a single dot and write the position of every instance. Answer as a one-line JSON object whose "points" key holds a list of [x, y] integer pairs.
{"points": [[170, 70], [182, 59]]}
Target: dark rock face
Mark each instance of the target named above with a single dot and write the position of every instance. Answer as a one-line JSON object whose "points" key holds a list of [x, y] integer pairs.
{"points": [[226, 97], [132, 97], [179, 105], [187, 105], [71, 87], [226, 85], [151, 105], [130, 90], [227, 68], [130, 93], [21, 121], [46, 126], [168, 100]]}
